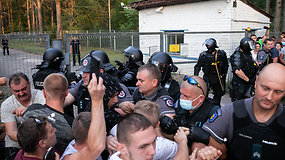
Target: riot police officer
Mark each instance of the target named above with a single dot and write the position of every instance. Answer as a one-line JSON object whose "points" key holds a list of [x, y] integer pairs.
{"points": [[244, 70], [214, 64], [52, 63], [166, 66], [106, 65], [128, 71]]}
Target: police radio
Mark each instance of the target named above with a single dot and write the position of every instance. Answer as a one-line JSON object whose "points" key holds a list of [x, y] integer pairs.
{"points": [[94, 68]]}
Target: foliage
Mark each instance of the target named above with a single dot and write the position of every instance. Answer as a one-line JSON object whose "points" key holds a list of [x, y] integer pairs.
{"points": [[80, 15]]}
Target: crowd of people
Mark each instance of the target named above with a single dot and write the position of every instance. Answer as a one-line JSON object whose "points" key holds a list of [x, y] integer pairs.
{"points": [[138, 111]]}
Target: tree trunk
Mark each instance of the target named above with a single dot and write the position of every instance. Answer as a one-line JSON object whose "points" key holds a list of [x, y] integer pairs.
{"points": [[34, 19], [51, 11], [278, 8], [267, 6], [1, 19], [40, 19], [28, 16], [72, 4], [283, 25], [58, 20], [11, 15]]}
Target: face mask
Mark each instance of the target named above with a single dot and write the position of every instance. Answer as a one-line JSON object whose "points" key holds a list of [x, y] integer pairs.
{"points": [[187, 104], [283, 43]]}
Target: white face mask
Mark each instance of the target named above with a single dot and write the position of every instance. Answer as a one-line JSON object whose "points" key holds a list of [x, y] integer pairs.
{"points": [[187, 104]]}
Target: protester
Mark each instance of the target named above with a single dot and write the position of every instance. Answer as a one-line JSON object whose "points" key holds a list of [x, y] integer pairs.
{"points": [[55, 90], [36, 135], [89, 136], [13, 108]]}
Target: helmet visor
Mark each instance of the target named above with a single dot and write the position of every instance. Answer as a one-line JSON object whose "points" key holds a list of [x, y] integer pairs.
{"points": [[250, 44]]}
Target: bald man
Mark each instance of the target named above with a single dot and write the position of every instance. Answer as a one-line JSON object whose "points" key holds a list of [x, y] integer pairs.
{"points": [[253, 128], [192, 109]]}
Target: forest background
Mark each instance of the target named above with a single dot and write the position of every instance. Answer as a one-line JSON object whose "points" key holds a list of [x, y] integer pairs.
{"points": [[58, 16]]}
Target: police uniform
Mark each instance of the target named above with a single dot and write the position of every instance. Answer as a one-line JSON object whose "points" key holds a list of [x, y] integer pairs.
{"points": [[215, 68], [128, 75], [245, 137], [242, 61], [264, 57], [41, 74], [159, 96], [5, 45], [198, 117], [173, 88]]}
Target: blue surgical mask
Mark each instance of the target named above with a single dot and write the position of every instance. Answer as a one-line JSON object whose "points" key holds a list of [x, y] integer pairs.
{"points": [[283, 43], [187, 104]]}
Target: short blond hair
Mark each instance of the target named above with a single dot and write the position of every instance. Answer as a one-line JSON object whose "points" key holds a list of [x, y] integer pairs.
{"points": [[148, 109], [55, 86]]}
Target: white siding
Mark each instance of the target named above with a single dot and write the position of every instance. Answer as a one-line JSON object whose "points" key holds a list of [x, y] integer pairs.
{"points": [[215, 15]]}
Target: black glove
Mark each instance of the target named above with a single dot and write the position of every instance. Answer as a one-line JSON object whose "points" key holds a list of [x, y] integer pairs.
{"points": [[168, 125], [119, 63], [198, 134], [251, 81]]}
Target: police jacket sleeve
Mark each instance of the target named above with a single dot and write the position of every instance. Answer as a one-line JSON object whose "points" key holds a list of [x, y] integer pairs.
{"points": [[124, 95], [200, 64], [166, 105], [236, 62], [128, 77], [225, 62]]}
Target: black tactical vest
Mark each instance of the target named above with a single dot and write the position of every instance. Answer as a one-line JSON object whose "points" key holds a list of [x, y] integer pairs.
{"points": [[256, 141], [199, 116], [40, 75]]}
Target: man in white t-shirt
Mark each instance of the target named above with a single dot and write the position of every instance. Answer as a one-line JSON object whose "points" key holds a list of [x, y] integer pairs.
{"points": [[13, 108], [165, 149]]}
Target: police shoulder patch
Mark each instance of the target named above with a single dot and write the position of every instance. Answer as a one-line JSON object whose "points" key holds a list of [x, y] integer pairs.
{"points": [[215, 115], [168, 102], [85, 62], [122, 94]]}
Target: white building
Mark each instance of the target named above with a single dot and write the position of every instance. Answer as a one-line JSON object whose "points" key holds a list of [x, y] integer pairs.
{"points": [[190, 22]]}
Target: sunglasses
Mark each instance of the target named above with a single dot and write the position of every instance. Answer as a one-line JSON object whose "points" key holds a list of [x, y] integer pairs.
{"points": [[39, 123], [192, 81]]}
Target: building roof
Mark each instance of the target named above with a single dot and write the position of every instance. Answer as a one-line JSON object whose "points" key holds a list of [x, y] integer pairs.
{"points": [[144, 4]]}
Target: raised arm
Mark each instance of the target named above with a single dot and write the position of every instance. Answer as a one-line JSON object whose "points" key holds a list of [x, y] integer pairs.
{"points": [[97, 132]]}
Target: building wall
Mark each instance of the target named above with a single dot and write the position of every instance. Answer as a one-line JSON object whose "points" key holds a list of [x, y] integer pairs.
{"points": [[207, 16]]}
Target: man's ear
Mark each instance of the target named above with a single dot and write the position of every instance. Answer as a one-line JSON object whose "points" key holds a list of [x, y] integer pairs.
{"points": [[255, 81], [45, 94], [42, 143], [67, 91], [155, 82], [122, 149], [202, 98]]}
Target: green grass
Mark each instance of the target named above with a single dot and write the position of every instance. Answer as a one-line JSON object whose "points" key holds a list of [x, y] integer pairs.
{"points": [[113, 55], [28, 46]]}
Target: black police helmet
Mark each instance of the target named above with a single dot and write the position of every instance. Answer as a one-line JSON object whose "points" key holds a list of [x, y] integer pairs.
{"points": [[246, 44], [52, 58], [134, 55], [211, 44], [103, 57], [164, 63]]}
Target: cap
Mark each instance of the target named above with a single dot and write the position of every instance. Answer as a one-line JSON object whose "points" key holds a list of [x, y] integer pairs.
{"points": [[86, 65]]}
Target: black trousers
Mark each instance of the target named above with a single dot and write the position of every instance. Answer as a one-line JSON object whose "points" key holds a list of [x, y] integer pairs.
{"points": [[4, 48], [214, 84], [74, 58]]}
